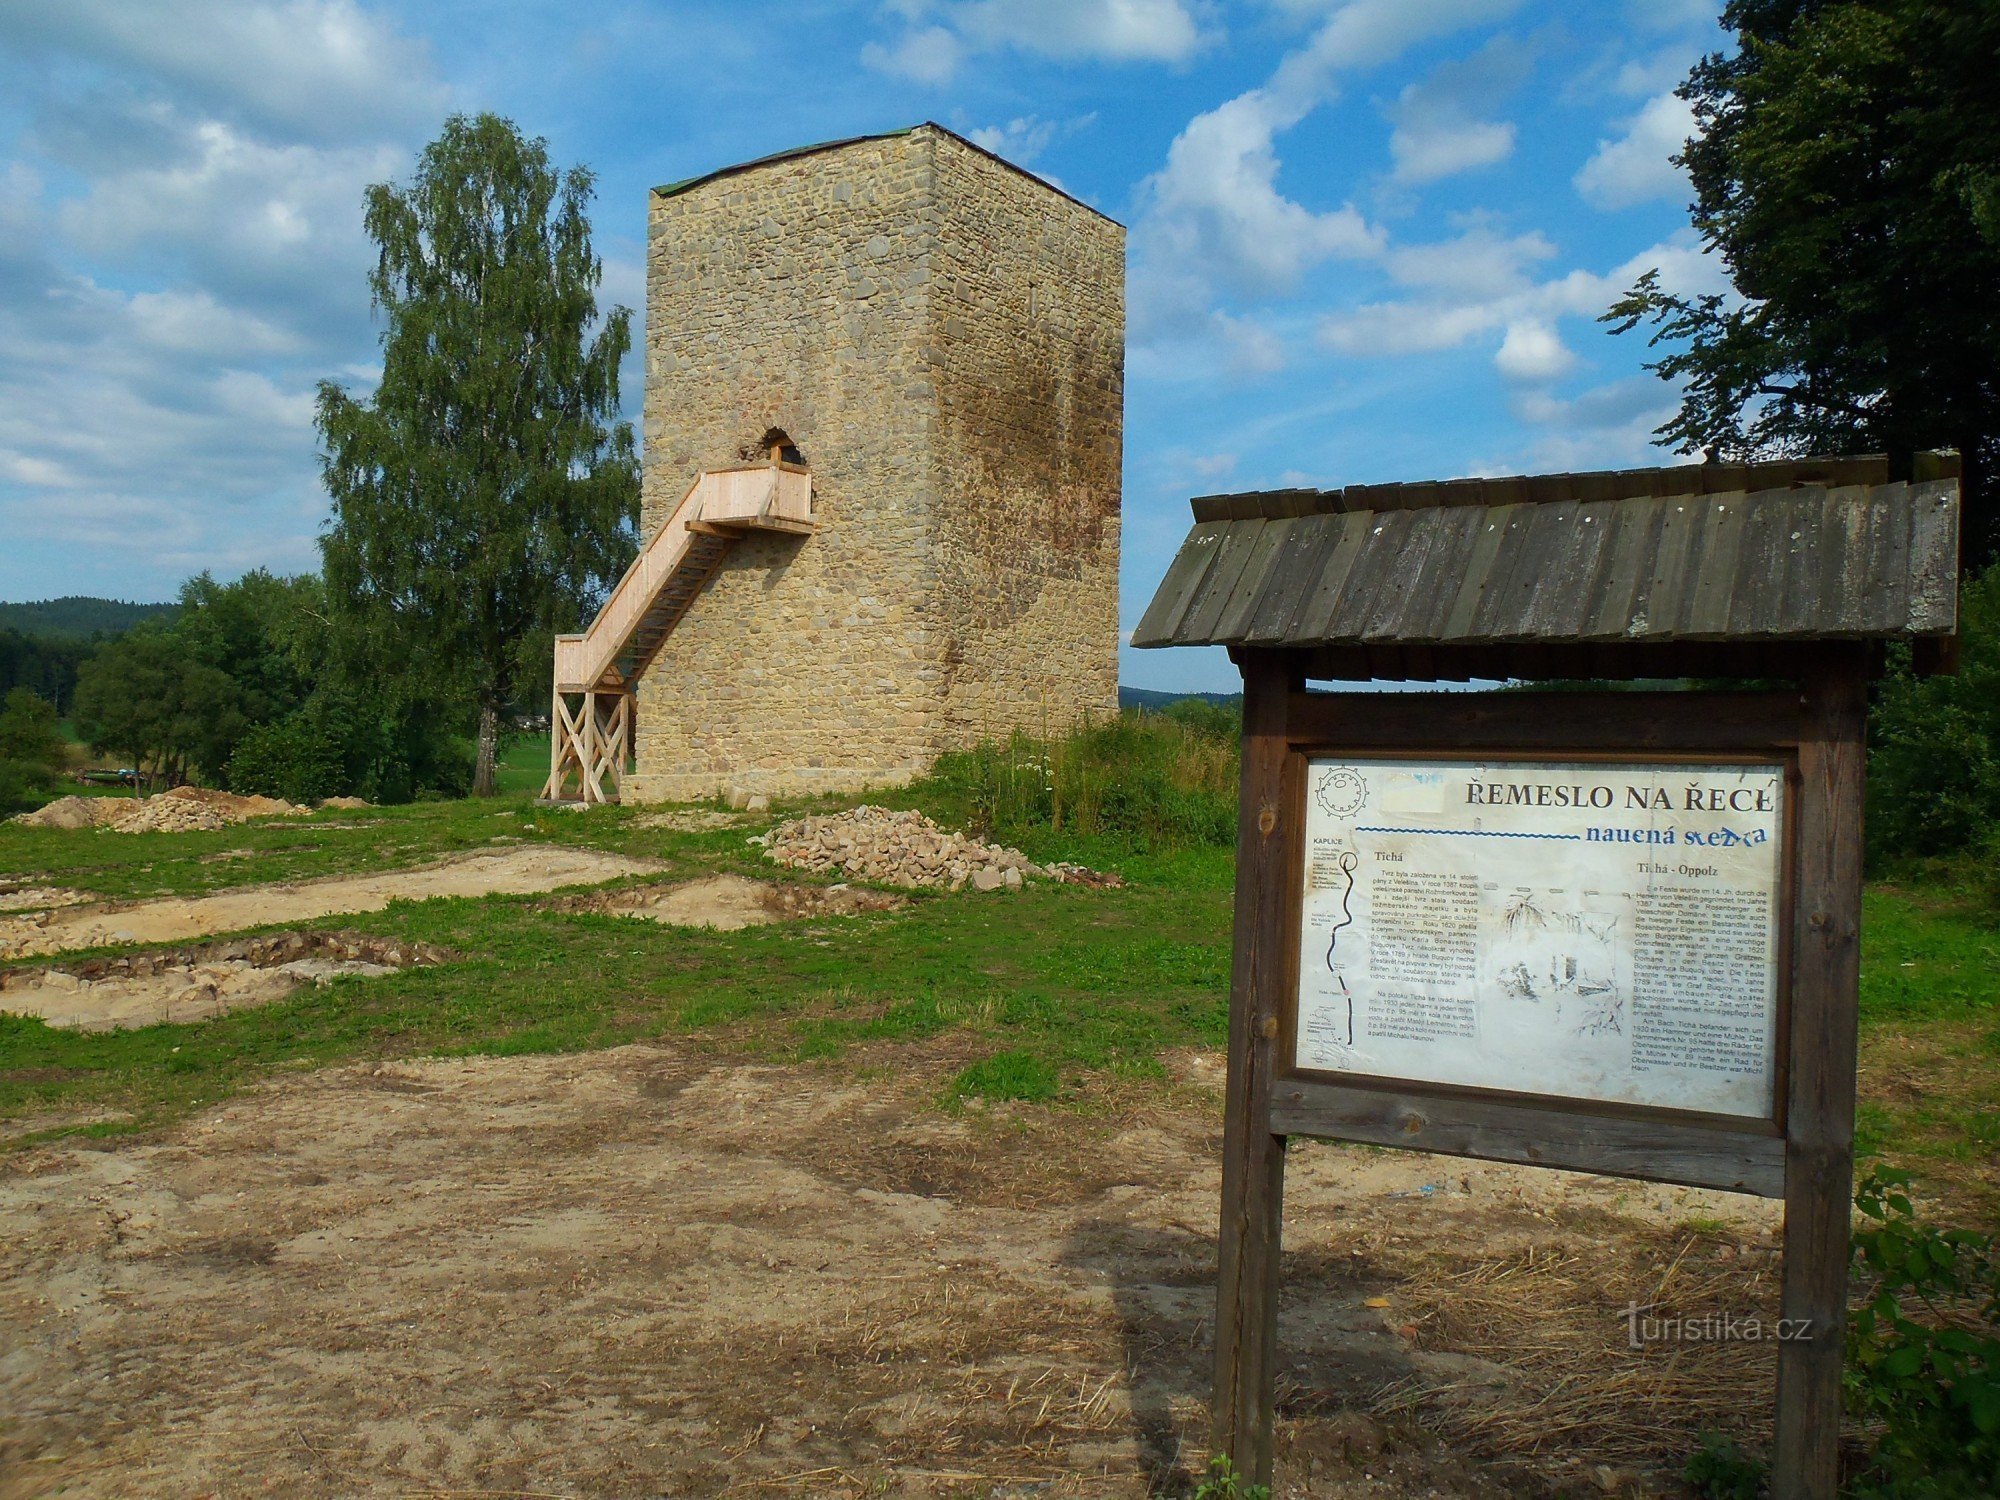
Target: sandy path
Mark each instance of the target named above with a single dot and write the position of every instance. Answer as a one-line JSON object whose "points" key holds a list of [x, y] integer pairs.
{"points": [[521, 870], [639, 1273]]}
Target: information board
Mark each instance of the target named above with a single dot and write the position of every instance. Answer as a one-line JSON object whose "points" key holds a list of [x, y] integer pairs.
{"points": [[1601, 930]]}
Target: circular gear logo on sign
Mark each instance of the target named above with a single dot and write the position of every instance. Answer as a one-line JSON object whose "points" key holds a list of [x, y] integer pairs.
{"points": [[1341, 792]]}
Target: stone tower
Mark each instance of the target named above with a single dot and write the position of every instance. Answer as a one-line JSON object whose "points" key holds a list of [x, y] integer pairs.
{"points": [[940, 338]]}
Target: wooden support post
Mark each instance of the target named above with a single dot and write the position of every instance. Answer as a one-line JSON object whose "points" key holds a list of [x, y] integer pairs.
{"points": [[621, 743], [1253, 1159], [552, 788], [591, 791], [1819, 1115]]}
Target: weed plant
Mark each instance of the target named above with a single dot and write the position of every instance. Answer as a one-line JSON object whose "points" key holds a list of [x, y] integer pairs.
{"points": [[1154, 781]]}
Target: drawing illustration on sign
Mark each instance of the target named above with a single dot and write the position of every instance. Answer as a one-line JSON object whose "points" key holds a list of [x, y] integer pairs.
{"points": [[1565, 960], [1342, 791], [1339, 1026]]}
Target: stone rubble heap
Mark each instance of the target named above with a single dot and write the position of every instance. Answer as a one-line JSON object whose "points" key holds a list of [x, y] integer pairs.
{"points": [[908, 849], [185, 809]]}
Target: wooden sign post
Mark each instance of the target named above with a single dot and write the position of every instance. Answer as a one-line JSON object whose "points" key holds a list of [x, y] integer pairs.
{"points": [[1609, 931]]}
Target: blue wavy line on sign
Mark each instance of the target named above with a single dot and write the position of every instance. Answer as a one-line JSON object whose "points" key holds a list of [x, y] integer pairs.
{"points": [[1473, 833]]}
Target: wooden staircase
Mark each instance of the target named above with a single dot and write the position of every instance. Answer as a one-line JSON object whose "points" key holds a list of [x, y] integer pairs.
{"points": [[600, 667]]}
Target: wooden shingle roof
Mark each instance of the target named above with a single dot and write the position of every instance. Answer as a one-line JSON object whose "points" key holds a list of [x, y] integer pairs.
{"points": [[1811, 550]]}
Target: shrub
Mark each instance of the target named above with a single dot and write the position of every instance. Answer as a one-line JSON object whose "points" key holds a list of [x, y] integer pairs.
{"points": [[1923, 1361], [1720, 1471], [1223, 1483], [32, 752], [290, 759], [1923, 1351], [1934, 756], [20, 785], [1153, 778], [29, 736]]}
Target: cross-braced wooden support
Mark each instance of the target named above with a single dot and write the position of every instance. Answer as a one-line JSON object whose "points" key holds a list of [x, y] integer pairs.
{"points": [[590, 743]]}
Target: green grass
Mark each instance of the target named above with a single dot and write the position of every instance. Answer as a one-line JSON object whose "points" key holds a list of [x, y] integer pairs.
{"points": [[1073, 980], [1013, 1074], [1043, 989], [523, 765], [1930, 1029]]}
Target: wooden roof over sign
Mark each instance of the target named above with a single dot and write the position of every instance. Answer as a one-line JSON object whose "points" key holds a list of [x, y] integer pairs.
{"points": [[1707, 553]]}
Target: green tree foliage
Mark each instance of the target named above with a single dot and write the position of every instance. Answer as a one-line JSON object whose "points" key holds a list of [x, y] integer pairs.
{"points": [[253, 685], [1934, 743], [143, 698], [485, 494], [1847, 173], [32, 750]]}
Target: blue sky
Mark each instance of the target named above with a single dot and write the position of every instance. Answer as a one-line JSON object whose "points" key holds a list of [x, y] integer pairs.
{"points": [[1368, 238]]}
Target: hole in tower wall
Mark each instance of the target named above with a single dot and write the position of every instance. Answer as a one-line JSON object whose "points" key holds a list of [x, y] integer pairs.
{"points": [[775, 445]]}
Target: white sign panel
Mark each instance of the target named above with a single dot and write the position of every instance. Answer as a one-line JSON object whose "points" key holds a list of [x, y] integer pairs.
{"points": [[1589, 930]]}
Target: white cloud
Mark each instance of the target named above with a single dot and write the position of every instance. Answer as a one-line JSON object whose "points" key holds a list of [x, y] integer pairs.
{"points": [[128, 424], [1440, 123], [942, 34], [1638, 166], [1019, 140], [1441, 148], [1214, 223], [1026, 137], [1609, 426], [206, 162], [1533, 353], [1394, 328], [1478, 263], [1673, 15], [1215, 208], [1367, 33], [195, 323], [1111, 30], [1478, 285], [1172, 332], [929, 55], [313, 69], [1662, 73]]}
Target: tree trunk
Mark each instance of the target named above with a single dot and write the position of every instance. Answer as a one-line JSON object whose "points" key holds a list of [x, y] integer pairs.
{"points": [[483, 784], [1979, 514]]}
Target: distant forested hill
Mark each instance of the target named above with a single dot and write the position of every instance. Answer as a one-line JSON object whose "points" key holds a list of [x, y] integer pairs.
{"points": [[78, 616], [1155, 700], [43, 644]]}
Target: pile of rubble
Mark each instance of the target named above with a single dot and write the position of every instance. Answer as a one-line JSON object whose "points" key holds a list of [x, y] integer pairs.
{"points": [[185, 809], [908, 849]]}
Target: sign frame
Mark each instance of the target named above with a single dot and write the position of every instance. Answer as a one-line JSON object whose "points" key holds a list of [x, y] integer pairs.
{"points": [[1288, 1069], [1804, 1155]]}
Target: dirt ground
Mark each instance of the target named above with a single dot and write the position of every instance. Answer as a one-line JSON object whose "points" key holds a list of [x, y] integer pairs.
{"points": [[655, 1272], [731, 902], [522, 869], [197, 984]]}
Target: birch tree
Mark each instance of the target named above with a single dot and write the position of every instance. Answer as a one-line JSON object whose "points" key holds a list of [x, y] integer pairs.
{"points": [[485, 494]]}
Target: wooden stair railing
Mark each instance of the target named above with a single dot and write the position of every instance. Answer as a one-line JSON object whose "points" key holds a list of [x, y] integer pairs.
{"points": [[602, 665]]}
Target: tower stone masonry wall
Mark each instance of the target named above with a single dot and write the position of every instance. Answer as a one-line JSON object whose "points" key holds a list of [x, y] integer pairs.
{"points": [[941, 337]]}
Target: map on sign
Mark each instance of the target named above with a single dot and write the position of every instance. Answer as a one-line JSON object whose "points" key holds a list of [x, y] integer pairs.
{"points": [[1594, 930]]}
